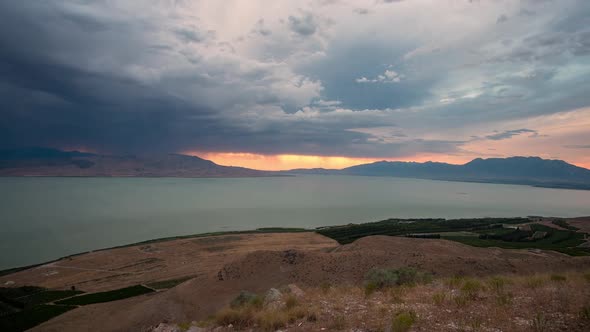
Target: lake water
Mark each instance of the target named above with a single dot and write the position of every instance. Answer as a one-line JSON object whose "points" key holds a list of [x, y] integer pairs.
{"points": [[46, 218]]}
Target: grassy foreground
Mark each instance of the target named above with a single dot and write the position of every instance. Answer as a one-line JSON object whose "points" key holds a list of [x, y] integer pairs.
{"points": [[537, 303]]}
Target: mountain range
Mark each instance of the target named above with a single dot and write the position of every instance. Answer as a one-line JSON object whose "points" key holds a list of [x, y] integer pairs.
{"points": [[52, 162], [533, 171]]}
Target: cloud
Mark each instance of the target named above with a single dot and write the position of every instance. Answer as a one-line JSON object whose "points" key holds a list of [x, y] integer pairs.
{"points": [[316, 78], [304, 25], [389, 76], [511, 133]]}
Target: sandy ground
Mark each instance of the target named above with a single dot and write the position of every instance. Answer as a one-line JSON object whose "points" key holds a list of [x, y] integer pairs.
{"points": [[225, 265], [116, 268]]}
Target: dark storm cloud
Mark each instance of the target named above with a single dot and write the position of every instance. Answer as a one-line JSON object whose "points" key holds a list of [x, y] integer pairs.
{"points": [[511, 133], [119, 77], [304, 25]]}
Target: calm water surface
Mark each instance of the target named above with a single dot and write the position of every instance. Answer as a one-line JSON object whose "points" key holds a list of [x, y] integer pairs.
{"points": [[46, 218]]}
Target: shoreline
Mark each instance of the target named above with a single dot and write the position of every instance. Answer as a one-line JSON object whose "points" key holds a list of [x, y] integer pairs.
{"points": [[263, 230]]}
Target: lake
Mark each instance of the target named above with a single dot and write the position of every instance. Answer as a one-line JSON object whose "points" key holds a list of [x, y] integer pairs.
{"points": [[46, 218]]}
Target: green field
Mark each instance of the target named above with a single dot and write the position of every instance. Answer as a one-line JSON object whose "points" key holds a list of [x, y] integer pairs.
{"points": [[348, 233], [26, 319], [24, 307], [166, 284], [114, 295], [483, 232]]}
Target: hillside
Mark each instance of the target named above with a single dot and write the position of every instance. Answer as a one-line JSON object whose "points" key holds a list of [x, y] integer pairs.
{"points": [[52, 162], [514, 170], [196, 279]]}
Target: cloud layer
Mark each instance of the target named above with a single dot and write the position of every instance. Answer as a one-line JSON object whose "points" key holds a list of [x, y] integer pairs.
{"points": [[365, 79]]}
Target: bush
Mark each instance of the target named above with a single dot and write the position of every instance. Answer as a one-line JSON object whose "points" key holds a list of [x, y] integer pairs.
{"points": [[403, 321], [460, 300], [272, 320], [454, 282], [370, 288], [291, 302], [504, 298], [239, 317], [558, 277], [439, 298], [338, 323], [497, 284], [585, 312], [325, 287], [246, 298], [377, 279], [534, 282], [471, 288], [539, 323]]}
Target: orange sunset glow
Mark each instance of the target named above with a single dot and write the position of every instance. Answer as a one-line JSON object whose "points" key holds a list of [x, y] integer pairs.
{"points": [[292, 161]]}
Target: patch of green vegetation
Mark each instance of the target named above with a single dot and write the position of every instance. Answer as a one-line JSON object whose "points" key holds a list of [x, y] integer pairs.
{"points": [[26, 319], [47, 296], [558, 277], [558, 240], [16, 299], [403, 321], [377, 279], [349, 233], [167, 284], [247, 299], [114, 295]]}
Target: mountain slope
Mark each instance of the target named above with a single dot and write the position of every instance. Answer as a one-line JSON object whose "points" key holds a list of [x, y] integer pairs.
{"points": [[52, 162], [517, 170]]}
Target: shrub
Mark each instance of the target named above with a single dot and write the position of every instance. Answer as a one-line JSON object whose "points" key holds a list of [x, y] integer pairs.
{"points": [[291, 302], [587, 276], [454, 282], [338, 323], [246, 298], [272, 320], [403, 321], [497, 284], [539, 323], [439, 298], [370, 288], [534, 282], [504, 298], [585, 312], [325, 287], [461, 300], [377, 279], [396, 295], [238, 317], [471, 288], [558, 277]]}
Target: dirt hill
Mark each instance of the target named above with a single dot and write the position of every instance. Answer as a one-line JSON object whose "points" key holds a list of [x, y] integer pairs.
{"points": [[257, 271]]}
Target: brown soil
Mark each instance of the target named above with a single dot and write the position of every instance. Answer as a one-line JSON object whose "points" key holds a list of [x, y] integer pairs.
{"points": [[225, 265], [583, 223]]}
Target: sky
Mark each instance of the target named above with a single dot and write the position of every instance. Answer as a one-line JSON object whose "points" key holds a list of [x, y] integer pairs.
{"points": [[274, 84]]}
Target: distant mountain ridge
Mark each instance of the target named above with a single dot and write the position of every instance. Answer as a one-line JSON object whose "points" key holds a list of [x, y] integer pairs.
{"points": [[54, 162], [514, 170], [533, 171]]}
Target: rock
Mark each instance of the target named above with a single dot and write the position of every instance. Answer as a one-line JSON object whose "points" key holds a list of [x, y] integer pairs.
{"points": [[272, 298], [296, 291]]}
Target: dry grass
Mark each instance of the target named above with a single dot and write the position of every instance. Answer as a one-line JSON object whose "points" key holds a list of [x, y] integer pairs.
{"points": [[508, 303]]}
